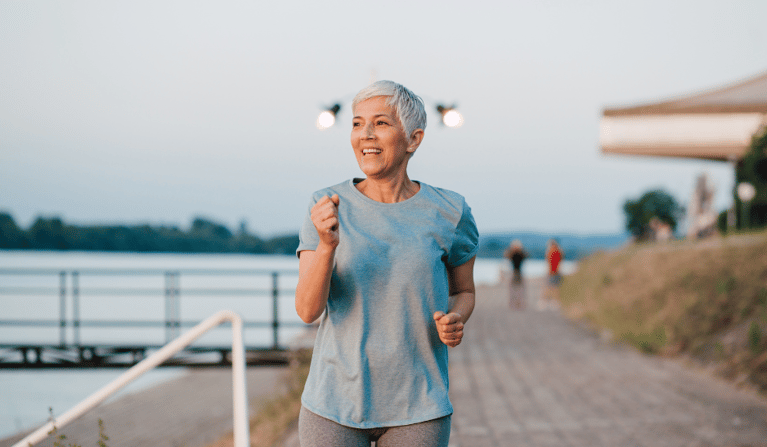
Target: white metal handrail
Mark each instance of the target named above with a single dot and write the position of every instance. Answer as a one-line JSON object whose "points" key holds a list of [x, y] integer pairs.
{"points": [[241, 426]]}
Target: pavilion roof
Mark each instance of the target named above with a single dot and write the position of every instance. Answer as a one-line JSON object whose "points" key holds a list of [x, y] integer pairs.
{"points": [[749, 96], [717, 124]]}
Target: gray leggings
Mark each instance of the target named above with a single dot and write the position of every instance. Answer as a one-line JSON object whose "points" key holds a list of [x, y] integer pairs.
{"points": [[316, 431]]}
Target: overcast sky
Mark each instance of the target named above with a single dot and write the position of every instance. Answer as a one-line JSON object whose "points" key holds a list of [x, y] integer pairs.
{"points": [[158, 111]]}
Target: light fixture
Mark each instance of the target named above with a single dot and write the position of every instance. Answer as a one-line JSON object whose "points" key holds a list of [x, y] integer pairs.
{"points": [[450, 116], [746, 191], [328, 117]]}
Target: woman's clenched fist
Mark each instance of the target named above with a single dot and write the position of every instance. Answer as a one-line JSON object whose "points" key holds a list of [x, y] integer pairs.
{"points": [[325, 220]]}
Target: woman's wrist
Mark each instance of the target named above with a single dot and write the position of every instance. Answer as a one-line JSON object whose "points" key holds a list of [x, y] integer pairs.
{"points": [[325, 249]]}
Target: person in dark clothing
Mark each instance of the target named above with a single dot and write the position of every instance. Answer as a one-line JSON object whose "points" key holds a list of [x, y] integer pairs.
{"points": [[516, 254]]}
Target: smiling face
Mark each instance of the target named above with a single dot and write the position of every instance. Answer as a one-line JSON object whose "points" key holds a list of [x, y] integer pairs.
{"points": [[379, 141]]}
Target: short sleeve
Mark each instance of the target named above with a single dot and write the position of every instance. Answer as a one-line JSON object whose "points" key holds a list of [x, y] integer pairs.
{"points": [[465, 241], [308, 239]]}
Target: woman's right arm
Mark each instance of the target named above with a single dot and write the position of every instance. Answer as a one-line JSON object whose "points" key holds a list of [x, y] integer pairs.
{"points": [[316, 267]]}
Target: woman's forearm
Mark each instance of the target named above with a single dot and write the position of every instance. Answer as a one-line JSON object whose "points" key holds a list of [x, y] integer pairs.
{"points": [[463, 305], [314, 272], [462, 289]]}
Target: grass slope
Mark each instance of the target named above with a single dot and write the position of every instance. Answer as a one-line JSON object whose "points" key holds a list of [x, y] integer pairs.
{"points": [[705, 299]]}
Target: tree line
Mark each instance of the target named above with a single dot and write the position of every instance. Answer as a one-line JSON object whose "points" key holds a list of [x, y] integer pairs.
{"points": [[204, 236]]}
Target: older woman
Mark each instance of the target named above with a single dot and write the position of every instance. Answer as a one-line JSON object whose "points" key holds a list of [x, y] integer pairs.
{"points": [[386, 264]]}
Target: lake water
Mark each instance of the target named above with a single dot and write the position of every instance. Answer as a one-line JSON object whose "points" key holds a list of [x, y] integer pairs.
{"points": [[26, 396]]}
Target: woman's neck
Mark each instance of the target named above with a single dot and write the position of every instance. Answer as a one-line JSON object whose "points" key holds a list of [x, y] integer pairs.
{"points": [[388, 190]]}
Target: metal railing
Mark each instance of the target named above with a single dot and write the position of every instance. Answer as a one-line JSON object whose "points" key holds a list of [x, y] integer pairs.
{"points": [[241, 427], [67, 286]]}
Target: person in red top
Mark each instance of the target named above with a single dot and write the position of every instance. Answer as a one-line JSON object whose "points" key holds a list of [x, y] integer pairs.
{"points": [[554, 256]]}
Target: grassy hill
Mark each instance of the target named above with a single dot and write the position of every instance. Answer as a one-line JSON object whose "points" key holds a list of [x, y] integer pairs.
{"points": [[706, 300]]}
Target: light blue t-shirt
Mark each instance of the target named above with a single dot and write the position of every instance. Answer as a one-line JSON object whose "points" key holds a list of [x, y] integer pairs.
{"points": [[378, 360]]}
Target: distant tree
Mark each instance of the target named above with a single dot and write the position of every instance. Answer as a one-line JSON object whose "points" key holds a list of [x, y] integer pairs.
{"points": [[243, 231], [205, 227], [247, 243], [48, 234], [11, 236], [285, 245], [653, 204]]}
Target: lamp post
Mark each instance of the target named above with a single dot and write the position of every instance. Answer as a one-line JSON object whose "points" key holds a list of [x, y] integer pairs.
{"points": [[327, 117], [450, 116], [746, 193], [731, 212]]}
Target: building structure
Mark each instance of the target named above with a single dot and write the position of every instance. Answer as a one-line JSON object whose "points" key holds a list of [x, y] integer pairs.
{"points": [[714, 125], [717, 124]]}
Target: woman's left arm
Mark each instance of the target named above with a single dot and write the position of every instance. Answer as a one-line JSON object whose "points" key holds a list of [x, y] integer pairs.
{"points": [[450, 325]]}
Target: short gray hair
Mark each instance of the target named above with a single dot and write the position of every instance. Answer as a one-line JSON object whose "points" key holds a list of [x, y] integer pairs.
{"points": [[408, 106]]}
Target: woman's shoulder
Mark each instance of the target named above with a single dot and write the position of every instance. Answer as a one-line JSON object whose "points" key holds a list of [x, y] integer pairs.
{"points": [[443, 195], [341, 189], [450, 204]]}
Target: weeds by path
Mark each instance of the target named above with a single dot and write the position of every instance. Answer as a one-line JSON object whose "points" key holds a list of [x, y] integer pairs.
{"points": [[61, 438], [280, 413]]}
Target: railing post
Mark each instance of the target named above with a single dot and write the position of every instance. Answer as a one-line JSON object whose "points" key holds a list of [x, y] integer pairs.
{"points": [[62, 308], [177, 304], [275, 311], [239, 385], [76, 307], [168, 304]]}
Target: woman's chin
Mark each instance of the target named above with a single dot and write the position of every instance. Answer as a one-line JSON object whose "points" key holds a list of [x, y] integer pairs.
{"points": [[371, 170]]}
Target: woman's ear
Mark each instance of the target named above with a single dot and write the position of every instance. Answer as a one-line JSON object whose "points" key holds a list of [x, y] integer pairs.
{"points": [[415, 140]]}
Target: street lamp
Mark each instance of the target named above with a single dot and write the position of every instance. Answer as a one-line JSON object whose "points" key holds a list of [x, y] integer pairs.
{"points": [[328, 117], [731, 211], [746, 193], [450, 116]]}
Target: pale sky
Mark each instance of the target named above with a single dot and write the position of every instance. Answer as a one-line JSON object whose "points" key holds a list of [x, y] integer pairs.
{"points": [[158, 111]]}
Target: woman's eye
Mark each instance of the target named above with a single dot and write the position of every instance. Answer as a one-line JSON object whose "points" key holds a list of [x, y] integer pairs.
{"points": [[355, 124], [382, 123]]}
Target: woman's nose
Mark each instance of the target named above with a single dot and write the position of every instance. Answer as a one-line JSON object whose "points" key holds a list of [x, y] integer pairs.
{"points": [[369, 131]]}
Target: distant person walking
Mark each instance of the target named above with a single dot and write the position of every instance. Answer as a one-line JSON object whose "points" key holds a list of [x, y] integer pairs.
{"points": [[515, 253], [386, 265], [554, 256]]}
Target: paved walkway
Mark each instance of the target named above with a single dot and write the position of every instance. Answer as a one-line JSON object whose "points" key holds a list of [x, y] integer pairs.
{"points": [[532, 378]]}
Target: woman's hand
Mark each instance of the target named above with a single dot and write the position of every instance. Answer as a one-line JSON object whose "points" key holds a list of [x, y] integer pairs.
{"points": [[449, 327], [325, 220]]}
